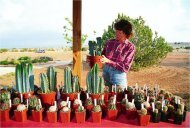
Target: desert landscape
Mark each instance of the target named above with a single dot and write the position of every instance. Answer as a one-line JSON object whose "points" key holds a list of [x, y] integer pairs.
{"points": [[172, 74]]}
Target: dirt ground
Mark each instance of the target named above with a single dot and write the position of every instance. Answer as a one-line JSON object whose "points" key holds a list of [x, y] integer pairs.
{"points": [[173, 73]]}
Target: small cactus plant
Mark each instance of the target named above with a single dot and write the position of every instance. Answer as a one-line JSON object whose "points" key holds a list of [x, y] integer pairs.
{"points": [[88, 102], [77, 102], [16, 100], [38, 107], [65, 109], [4, 96], [95, 48], [80, 109], [4, 106], [32, 102], [21, 107], [165, 109], [101, 102], [112, 107], [52, 109], [130, 106], [124, 101], [143, 111], [146, 104], [63, 104], [158, 105], [96, 108]]}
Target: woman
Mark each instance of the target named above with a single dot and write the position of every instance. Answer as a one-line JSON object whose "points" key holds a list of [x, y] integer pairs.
{"points": [[118, 55]]}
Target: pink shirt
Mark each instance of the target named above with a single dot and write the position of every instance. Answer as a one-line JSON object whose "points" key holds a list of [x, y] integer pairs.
{"points": [[122, 54]]}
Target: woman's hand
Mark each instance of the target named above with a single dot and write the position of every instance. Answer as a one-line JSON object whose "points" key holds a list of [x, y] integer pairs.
{"points": [[104, 60]]}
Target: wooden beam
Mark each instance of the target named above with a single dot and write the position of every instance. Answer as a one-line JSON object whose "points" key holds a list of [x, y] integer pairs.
{"points": [[77, 59]]}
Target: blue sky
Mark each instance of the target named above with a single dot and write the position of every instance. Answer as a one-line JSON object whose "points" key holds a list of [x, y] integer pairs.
{"points": [[39, 23]]}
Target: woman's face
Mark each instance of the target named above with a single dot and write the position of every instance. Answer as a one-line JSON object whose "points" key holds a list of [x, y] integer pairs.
{"points": [[120, 35]]}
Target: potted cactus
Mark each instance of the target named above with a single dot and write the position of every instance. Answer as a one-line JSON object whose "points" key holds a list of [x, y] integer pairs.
{"points": [[52, 113], [20, 113], [112, 111], [4, 111], [37, 113], [95, 83], [131, 112], [143, 118], [164, 114], [123, 104], [24, 77], [48, 84], [62, 105], [95, 51], [178, 116], [139, 99], [71, 85], [65, 114], [103, 107], [148, 107], [88, 107], [96, 114], [156, 116], [80, 114], [170, 111], [76, 104]]}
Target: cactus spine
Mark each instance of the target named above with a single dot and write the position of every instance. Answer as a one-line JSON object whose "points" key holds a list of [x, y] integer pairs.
{"points": [[24, 77]]}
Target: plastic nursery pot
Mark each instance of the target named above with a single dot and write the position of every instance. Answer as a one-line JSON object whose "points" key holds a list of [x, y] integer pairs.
{"points": [[47, 99], [95, 96], [65, 116], [75, 106], [72, 96], [51, 117], [112, 114], [178, 119], [37, 115], [26, 95], [131, 114], [20, 116], [156, 117], [164, 116], [80, 116], [88, 110], [96, 117], [143, 120], [4, 115], [93, 60], [104, 111]]}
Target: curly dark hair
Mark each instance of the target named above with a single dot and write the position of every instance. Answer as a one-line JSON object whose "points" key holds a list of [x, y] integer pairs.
{"points": [[123, 25]]}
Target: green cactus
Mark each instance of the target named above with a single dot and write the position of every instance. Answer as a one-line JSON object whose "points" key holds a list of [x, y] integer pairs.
{"points": [[179, 112], [80, 109], [16, 100], [101, 102], [155, 111], [44, 83], [95, 48], [143, 111], [38, 107], [124, 101], [52, 78], [170, 107], [88, 102], [165, 109], [158, 105], [75, 83], [24, 77], [4, 106], [181, 107], [4, 96], [112, 107], [95, 84], [33, 102], [96, 108]]}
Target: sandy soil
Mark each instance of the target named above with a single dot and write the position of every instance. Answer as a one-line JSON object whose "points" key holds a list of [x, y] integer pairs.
{"points": [[173, 73]]}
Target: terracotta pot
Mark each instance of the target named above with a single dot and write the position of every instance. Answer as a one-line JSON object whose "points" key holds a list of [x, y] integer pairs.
{"points": [[143, 120], [178, 119], [94, 59], [75, 106], [131, 114], [156, 117], [123, 109], [20, 116], [65, 116], [4, 115], [88, 110], [37, 115], [80, 116], [47, 99], [51, 117], [72, 96], [95, 96], [112, 114], [96, 117], [164, 116]]}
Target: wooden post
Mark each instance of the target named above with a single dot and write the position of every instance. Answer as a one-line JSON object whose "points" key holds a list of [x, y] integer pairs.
{"points": [[77, 59]]}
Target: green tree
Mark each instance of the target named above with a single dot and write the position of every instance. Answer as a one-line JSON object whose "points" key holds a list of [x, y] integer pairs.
{"points": [[150, 48], [68, 29]]}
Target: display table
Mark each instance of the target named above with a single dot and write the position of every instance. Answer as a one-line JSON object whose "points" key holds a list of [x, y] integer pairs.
{"points": [[120, 122]]}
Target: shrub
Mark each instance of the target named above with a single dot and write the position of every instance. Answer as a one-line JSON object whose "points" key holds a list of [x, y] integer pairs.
{"points": [[149, 50], [4, 62], [25, 59], [3, 50]]}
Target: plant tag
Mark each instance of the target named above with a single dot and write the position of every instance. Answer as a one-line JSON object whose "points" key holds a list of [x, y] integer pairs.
{"points": [[102, 97], [178, 101], [21, 97], [112, 88], [147, 100], [125, 96], [142, 106], [40, 102], [80, 102], [67, 99], [10, 103], [115, 89], [146, 90], [87, 95], [79, 96], [153, 106], [133, 101], [69, 104], [133, 91], [114, 99], [27, 103], [95, 103], [162, 104]]}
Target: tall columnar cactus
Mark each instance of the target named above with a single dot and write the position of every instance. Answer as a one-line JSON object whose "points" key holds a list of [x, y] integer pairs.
{"points": [[67, 80], [44, 84], [94, 82], [52, 78], [95, 48], [75, 83], [24, 77]]}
